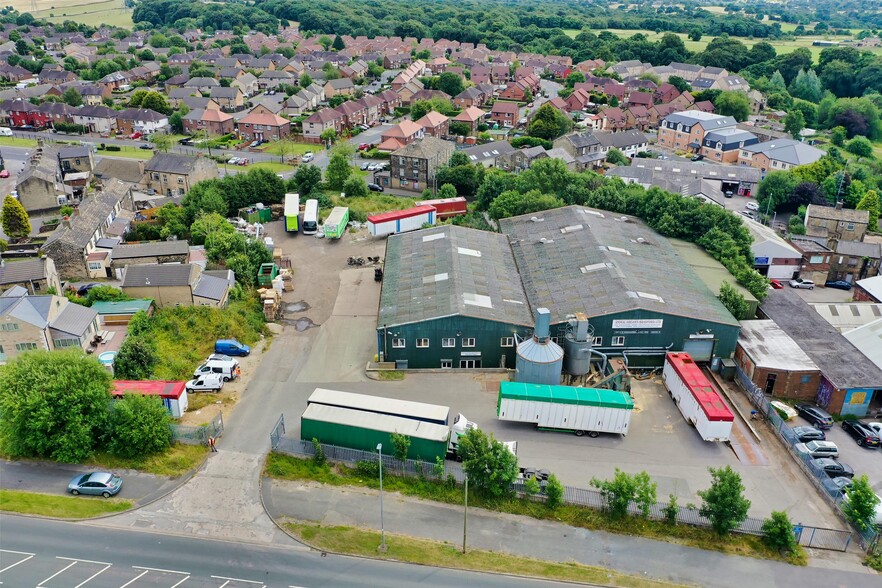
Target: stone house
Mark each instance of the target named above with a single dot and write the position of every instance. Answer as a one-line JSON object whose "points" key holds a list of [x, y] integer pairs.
{"points": [[178, 284], [413, 167], [173, 175], [836, 223], [854, 260], [154, 253], [36, 275]]}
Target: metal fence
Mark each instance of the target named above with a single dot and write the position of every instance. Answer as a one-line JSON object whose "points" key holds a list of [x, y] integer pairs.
{"points": [[807, 535], [199, 435]]}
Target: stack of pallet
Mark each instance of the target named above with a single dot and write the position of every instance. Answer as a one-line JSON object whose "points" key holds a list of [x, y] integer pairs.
{"points": [[287, 279], [272, 303]]}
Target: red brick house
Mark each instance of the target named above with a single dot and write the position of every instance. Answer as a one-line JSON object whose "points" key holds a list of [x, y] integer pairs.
{"points": [[505, 113], [665, 93], [639, 99], [262, 124], [614, 119], [472, 116], [318, 122], [212, 121], [435, 124], [480, 74], [577, 101]]}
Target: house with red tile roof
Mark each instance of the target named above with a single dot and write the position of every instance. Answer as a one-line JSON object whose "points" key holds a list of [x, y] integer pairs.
{"points": [[435, 124], [262, 124], [211, 121], [472, 116], [505, 113], [404, 133]]}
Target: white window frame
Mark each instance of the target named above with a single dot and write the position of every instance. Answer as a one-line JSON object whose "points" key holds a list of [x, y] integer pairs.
{"points": [[398, 343], [25, 346], [506, 342], [468, 341], [422, 343], [618, 341], [448, 342], [597, 341], [446, 364]]}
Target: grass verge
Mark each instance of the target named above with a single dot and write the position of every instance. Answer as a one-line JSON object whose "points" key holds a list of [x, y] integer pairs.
{"points": [[390, 375], [179, 460], [363, 542], [291, 468], [290, 148], [275, 167], [16, 142], [67, 507], [127, 153]]}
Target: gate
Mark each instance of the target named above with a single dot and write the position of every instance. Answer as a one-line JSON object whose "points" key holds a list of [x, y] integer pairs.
{"points": [[821, 538], [278, 432]]}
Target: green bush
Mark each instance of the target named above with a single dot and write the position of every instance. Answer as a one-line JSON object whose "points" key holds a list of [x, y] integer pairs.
{"points": [[554, 492], [368, 468], [671, 510], [138, 426], [778, 532], [318, 458]]}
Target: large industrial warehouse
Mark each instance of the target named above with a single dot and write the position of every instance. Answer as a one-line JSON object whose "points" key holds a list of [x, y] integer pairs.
{"points": [[462, 298]]}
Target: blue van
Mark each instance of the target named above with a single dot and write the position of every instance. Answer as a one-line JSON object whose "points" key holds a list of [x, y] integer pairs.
{"points": [[231, 347]]}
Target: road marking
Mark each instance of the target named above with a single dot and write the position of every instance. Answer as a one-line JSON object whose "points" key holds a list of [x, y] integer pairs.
{"points": [[74, 559], [181, 582], [40, 584], [161, 570], [89, 579], [135, 578], [29, 556], [228, 580]]}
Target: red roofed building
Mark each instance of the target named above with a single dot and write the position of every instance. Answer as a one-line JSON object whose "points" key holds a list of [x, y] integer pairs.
{"points": [[173, 394], [472, 116], [262, 124], [404, 133], [505, 113], [214, 122], [318, 122], [434, 124]]}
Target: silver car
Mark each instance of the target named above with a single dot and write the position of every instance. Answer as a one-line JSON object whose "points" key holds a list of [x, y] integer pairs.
{"points": [[97, 483], [800, 283]]}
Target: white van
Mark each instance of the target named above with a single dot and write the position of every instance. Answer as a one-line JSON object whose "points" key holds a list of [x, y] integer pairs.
{"points": [[228, 369], [5, 132]]}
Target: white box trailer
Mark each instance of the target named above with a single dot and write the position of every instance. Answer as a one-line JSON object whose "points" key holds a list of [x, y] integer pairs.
{"points": [[697, 400], [400, 221], [583, 411]]}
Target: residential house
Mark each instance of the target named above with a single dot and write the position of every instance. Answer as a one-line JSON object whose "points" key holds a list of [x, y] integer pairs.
{"points": [[56, 112], [578, 101], [140, 120], [665, 93], [97, 119], [156, 253], [178, 284], [76, 159], [37, 275], [14, 73], [93, 94], [228, 98], [499, 74], [173, 175], [413, 167], [506, 114], [778, 155], [435, 124], [202, 84], [725, 145], [391, 101], [340, 86], [522, 90], [639, 99], [295, 105], [404, 133], [854, 260], [247, 84], [127, 170], [319, 122], [212, 122], [816, 256], [18, 112], [614, 119], [354, 113], [471, 96], [43, 323], [684, 131], [836, 224], [521, 159], [488, 154], [261, 124], [730, 84], [471, 116], [272, 79], [39, 186], [584, 148], [76, 237], [480, 75]]}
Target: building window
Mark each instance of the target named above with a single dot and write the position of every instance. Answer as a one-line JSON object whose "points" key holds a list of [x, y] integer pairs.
{"points": [[468, 342], [95, 266], [25, 346], [850, 227], [448, 342], [597, 341], [805, 379], [507, 342], [618, 341], [397, 343], [61, 343], [155, 176], [422, 343], [446, 364], [9, 327]]}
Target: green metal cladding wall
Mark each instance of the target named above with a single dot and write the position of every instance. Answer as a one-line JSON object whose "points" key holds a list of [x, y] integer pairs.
{"points": [[487, 335], [367, 439]]}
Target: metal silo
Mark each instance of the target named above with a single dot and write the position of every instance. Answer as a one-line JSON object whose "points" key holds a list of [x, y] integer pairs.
{"points": [[539, 359], [578, 339]]}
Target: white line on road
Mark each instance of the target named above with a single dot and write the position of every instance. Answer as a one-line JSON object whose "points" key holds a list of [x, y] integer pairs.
{"points": [[228, 580], [29, 556], [40, 584], [135, 578], [181, 582], [161, 570], [86, 581], [74, 559]]}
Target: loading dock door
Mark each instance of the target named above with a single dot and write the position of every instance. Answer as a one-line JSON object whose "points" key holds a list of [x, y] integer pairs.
{"points": [[700, 349]]}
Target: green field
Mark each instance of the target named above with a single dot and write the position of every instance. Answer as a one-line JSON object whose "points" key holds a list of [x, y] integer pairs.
{"points": [[109, 12]]}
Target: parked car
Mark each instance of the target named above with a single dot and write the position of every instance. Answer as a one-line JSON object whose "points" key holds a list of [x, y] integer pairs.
{"points": [[876, 427], [254, 144], [228, 370], [818, 417], [697, 157], [837, 485], [375, 187], [307, 157], [4, 173], [876, 519], [231, 347], [803, 284], [365, 165], [96, 483], [776, 284], [233, 160], [818, 449], [805, 434], [373, 167], [752, 205], [728, 194], [838, 284], [833, 468], [364, 146], [135, 135], [145, 146], [861, 433], [205, 383], [84, 289]]}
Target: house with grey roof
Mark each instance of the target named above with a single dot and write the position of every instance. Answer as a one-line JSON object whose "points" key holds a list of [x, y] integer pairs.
{"points": [[855, 260], [836, 223], [173, 174], [178, 284], [155, 253], [40, 187], [127, 170], [589, 150], [779, 155], [35, 275], [45, 323], [685, 131], [724, 145], [413, 167], [488, 153]]}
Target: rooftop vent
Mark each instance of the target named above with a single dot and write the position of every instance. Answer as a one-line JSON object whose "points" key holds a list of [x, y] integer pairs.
{"points": [[571, 229]]}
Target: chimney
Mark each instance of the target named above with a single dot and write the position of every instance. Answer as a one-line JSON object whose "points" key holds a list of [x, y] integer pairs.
{"points": [[542, 330], [66, 222], [839, 205]]}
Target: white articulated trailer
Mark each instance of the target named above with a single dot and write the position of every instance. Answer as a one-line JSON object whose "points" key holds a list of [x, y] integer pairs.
{"points": [[697, 400], [582, 411]]}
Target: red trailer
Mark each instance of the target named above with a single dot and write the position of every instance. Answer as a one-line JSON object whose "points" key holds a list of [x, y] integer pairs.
{"points": [[446, 207], [697, 400]]}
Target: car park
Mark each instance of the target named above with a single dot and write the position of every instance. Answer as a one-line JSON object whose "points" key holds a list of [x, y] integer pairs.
{"points": [[307, 157], [799, 283], [817, 449], [838, 284], [863, 435], [819, 418], [205, 383], [751, 206], [833, 468], [96, 483], [805, 434], [375, 187], [775, 284]]}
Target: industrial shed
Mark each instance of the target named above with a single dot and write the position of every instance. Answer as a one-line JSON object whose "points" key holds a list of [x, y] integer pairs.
{"points": [[451, 298], [640, 296]]}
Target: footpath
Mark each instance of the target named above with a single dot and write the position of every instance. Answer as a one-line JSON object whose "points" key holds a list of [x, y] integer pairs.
{"points": [[517, 535]]}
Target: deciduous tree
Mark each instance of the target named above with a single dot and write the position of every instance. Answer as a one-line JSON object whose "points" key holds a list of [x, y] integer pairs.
{"points": [[138, 426], [624, 488], [724, 503], [490, 466]]}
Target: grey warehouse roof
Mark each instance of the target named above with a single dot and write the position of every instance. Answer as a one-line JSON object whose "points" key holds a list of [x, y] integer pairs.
{"points": [[451, 270], [840, 362], [577, 259]]}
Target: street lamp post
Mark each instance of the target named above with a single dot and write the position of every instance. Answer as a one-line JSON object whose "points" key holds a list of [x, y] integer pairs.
{"points": [[465, 514], [382, 526]]}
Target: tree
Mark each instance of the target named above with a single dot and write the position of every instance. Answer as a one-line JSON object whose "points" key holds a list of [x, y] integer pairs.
{"points": [[465, 178], [625, 488], [176, 122], [450, 83], [173, 219], [723, 503], [354, 187], [328, 136], [778, 532], [794, 122], [860, 146], [400, 446], [338, 45], [447, 191], [306, 179], [459, 128], [681, 84], [554, 492], [616, 157], [870, 202], [305, 80], [490, 466], [807, 193], [807, 86], [71, 97], [734, 103], [695, 35], [338, 171], [734, 301], [777, 85], [776, 187], [54, 405], [14, 218], [860, 503], [514, 203], [162, 141], [548, 123], [838, 136], [138, 426]]}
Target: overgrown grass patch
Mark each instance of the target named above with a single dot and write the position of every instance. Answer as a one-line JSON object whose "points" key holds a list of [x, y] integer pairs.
{"points": [[177, 461], [292, 468], [364, 542], [275, 167], [390, 375], [363, 206], [68, 507]]}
